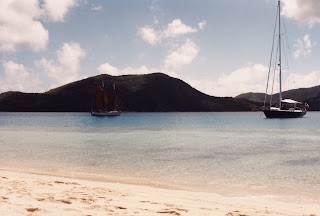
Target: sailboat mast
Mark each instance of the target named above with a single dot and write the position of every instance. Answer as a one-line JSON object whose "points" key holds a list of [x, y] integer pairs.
{"points": [[280, 94]]}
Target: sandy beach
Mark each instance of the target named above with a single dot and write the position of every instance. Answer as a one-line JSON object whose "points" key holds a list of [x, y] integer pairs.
{"points": [[33, 194]]}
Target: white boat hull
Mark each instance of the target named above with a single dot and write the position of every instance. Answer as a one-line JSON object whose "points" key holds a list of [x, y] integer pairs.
{"points": [[110, 113]]}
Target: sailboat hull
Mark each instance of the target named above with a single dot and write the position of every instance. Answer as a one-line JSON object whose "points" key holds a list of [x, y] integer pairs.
{"points": [[284, 113], [110, 113]]}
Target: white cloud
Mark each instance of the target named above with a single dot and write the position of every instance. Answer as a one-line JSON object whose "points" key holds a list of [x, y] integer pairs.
{"points": [[56, 10], [149, 35], [173, 62], [66, 68], [97, 8], [303, 47], [182, 56], [107, 68], [140, 70], [154, 7], [182, 52], [20, 22], [202, 24], [19, 25], [304, 80], [18, 78], [69, 56], [304, 11], [177, 28], [251, 78], [174, 29]]}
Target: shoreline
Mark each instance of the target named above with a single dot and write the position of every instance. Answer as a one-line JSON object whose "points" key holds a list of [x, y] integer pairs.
{"points": [[42, 194], [230, 190]]}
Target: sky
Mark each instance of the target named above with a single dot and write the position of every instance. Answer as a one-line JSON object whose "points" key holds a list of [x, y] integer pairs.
{"points": [[219, 47]]}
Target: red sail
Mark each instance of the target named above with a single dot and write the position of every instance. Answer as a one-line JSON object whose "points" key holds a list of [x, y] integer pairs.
{"points": [[99, 98], [111, 100]]}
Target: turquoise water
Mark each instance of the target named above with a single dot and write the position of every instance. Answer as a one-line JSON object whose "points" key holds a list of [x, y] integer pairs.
{"points": [[228, 153]]}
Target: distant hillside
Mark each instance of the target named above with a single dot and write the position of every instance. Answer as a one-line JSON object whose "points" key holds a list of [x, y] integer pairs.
{"points": [[306, 95], [251, 96], [140, 93]]}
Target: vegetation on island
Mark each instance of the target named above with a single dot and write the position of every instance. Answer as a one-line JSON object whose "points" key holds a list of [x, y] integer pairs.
{"points": [[155, 92]]}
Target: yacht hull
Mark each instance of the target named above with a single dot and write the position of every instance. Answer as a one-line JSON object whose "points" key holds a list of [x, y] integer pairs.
{"points": [[111, 113], [284, 113]]}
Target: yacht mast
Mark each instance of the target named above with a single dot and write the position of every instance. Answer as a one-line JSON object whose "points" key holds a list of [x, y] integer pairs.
{"points": [[280, 94]]}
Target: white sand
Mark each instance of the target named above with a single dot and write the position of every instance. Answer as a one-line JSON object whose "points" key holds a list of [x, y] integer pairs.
{"points": [[32, 194]]}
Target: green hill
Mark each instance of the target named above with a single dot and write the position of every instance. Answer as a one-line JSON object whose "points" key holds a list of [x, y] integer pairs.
{"points": [[137, 93]]}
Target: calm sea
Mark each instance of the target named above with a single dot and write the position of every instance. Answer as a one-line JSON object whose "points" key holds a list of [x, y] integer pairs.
{"points": [[233, 154]]}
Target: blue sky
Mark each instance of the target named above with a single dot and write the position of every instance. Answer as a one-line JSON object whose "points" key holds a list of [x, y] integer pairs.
{"points": [[221, 48]]}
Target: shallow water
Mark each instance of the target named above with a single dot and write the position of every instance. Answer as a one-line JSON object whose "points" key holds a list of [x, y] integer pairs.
{"points": [[229, 153]]}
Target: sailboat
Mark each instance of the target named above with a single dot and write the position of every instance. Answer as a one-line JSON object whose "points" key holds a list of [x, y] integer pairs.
{"points": [[105, 104], [286, 108]]}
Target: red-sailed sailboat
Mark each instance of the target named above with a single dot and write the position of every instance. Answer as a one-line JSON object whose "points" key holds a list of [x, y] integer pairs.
{"points": [[105, 103]]}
